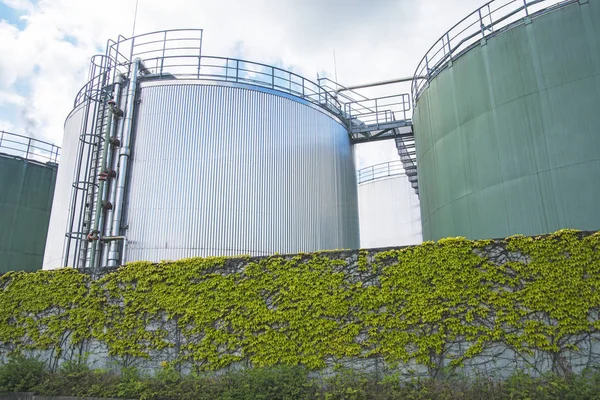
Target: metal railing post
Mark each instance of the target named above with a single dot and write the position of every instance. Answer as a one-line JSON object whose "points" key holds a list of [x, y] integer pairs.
{"points": [[526, 10], [28, 147], [162, 59], [237, 70], [272, 77], [481, 23]]}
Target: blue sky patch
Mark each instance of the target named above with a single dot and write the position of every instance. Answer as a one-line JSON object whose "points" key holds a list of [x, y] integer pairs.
{"points": [[12, 16], [70, 39]]}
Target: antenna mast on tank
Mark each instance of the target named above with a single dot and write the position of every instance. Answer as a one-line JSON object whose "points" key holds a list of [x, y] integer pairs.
{"points": [[134, 18], [335, 73]]}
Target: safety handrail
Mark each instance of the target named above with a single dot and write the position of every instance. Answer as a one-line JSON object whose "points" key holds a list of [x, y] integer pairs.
{"points": [[177, 54], [378, 171], [492, 18], [378, 111], [28, 148]]}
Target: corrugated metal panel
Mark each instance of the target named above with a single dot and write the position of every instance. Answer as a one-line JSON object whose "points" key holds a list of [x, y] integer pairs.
{"points": [[25, 202], [507, 138], [53, 255], [226, 170], [389, 213]]}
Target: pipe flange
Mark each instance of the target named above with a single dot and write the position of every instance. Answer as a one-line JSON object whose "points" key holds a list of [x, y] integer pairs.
{"points": [[118, 113], [92, 236]]}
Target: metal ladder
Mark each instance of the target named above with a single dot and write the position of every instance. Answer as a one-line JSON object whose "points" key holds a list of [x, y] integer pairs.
{"points": [[93, 173], [85, 181]]}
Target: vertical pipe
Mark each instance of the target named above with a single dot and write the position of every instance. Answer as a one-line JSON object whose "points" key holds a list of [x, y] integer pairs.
{"points": [[94, 231], [107, 159], [112, 188], [124, 153]]}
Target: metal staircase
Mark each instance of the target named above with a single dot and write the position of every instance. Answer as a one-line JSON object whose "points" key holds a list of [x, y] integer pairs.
{"points": [[402, 133], [407, 152], [381, 118]]}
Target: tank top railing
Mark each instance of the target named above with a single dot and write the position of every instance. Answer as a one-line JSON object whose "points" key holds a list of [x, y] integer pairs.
{"points": [[28, 148], [378, 171], [177, 54], [488, 20]]}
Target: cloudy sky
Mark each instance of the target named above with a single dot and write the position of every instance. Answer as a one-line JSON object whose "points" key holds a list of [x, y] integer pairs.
{"points": [[45, 45]]}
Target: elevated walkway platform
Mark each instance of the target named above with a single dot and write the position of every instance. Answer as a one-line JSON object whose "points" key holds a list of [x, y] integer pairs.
{"points": [[380, 118]]}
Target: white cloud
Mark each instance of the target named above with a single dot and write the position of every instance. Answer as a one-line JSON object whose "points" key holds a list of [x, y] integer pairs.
{"points": [[7, 126], [373, 40], [11, 98]]}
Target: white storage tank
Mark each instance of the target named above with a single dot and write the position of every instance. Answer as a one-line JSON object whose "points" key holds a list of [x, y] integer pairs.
{"points": [[388, 207], [199, 156]]}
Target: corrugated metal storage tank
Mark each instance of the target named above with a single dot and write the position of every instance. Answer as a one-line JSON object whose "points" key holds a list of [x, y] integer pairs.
{"points": [[388, 207], [507, 127], [221, 170], [228, 157], [27, 177]]}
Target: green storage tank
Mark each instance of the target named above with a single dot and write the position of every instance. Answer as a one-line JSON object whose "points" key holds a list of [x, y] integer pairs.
{"points": [[27, 177], [507, 122]]}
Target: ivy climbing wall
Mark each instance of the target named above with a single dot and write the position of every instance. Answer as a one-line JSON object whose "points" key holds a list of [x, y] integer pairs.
{"points": [[475, 306]]}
